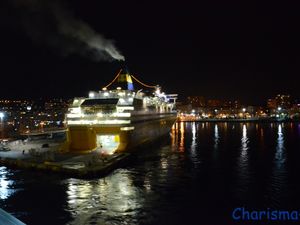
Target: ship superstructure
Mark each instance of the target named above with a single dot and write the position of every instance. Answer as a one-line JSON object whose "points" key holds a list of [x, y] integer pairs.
{"points": [[118, 117]]}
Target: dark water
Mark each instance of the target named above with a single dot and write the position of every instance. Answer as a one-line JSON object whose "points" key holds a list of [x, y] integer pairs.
{"points": [[197, 175]]}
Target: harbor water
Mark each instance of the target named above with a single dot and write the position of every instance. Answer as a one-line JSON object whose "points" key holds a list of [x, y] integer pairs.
{"points": [[198, 174]]}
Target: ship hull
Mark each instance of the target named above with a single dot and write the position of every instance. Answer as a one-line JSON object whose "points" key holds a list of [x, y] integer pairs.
{"points": [[119, 138]]}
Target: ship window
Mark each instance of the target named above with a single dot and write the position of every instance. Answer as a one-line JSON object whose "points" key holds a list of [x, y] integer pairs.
{"points": [[94, 102]]}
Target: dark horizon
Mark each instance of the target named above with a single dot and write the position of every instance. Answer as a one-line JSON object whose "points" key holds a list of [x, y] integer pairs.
{"points": [[222, 51]]}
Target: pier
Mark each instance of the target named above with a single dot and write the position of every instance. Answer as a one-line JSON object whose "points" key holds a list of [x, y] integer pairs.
{"points": [[41, 156], [238, 120]]}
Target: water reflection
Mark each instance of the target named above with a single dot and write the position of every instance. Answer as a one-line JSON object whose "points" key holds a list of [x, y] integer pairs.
{"points": [[244, 142], [181, 141], [243, 161], [174, 136], [5, 184], [164, 163], [147, 183], [280, 154], [100, 201], [194, 140], [216, 136], [278, 184], [261, 133]]}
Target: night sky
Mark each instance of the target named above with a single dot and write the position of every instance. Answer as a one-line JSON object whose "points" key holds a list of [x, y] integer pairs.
{"points": [[215, 49]]}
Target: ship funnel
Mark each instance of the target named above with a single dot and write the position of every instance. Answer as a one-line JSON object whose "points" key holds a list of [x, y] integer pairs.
{"points": [[125, 80]]}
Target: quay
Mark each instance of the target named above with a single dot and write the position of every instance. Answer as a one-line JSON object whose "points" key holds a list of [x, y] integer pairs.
{"points": [[238, 120], [46, 155]]}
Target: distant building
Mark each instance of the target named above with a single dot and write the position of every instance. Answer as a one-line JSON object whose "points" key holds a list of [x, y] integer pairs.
{"points": [[184, 108], [272, 103], [196, 101], [22, 116], [282, 101], [214, 103], [295, 111], [232, 104], [57, 105]]}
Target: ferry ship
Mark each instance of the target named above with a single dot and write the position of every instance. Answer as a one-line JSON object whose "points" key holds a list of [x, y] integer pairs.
{"points": [[119, 118]]}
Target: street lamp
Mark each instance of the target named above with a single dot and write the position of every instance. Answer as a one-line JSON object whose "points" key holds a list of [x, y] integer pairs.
{"points": [[244, 110]]}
